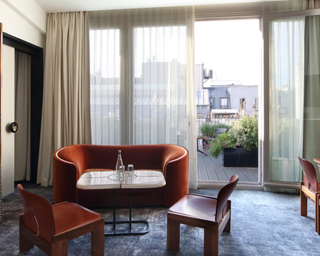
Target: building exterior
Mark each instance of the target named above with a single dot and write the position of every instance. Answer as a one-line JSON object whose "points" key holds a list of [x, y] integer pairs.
{"points": [[227, 98]]}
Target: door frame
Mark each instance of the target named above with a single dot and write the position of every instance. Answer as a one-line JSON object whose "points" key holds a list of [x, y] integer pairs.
{"points": [[36, 96], [266, 92]]}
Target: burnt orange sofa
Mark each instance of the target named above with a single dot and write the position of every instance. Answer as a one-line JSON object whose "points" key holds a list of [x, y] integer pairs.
{"points": [[70, 162]]}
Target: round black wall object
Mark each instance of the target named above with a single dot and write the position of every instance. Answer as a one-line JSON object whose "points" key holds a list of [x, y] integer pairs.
{"points": [[13, 127]]}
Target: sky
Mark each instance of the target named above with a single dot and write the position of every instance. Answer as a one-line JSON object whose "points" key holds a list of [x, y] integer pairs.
{"points": [[232, 49]]}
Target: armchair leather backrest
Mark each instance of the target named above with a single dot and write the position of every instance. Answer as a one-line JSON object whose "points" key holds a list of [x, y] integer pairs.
{"points": [[223, 196], [38, 214], [309, 175]]}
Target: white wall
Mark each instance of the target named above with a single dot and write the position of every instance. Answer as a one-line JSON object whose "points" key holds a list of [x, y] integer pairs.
{"points": [[8, 109], [250, 93], [24, 19]]}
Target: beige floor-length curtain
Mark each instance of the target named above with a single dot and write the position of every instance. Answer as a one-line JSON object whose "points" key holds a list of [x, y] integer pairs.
{"points": [[22, 115], [311, 145], [191, 107], [66, 99], [142, 78], [285, 6], [288, 6], [313, 4]]}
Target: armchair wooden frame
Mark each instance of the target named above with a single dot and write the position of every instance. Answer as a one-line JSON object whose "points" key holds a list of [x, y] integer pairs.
{"points": [[309, 189], [213, 225], [33, 232]]}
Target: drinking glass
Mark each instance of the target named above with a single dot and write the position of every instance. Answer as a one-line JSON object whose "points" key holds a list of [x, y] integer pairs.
{"points": [[130, 170]]}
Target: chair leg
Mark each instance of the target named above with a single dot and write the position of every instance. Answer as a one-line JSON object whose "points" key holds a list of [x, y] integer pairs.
{"points": [[97, 240], [303, 204], [211, 239], [317, 212], [228, 226], [24, 243], [60, 248], [173, 234]]}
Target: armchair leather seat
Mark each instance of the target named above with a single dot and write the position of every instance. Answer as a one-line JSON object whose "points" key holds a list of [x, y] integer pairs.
{"points": [[66, 219], [192, 205]]}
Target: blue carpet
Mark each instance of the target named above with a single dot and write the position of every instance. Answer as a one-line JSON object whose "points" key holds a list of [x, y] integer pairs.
{"points": [[263, 223]]}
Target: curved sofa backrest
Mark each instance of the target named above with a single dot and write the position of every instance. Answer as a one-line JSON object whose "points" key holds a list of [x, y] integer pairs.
{"points": [[105, 156]]}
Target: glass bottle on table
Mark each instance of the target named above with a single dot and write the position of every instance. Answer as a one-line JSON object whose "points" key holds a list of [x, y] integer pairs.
{"points": [[118, 164]]}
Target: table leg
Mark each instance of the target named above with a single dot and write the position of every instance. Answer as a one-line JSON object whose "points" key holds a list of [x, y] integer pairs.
{"points": [[130, 205], [130, 222]]}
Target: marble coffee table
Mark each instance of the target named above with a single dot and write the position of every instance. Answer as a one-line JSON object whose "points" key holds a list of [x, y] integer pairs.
{"points": [[106, 179]]}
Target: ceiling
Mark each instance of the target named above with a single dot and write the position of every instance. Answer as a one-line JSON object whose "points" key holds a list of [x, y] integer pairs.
{"points": [[92, 5]]}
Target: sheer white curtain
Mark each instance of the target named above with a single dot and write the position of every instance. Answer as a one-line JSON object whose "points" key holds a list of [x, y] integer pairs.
{"points": [[286, 98], [311, 146], [142, 78], [66, 100], [22, 116]]}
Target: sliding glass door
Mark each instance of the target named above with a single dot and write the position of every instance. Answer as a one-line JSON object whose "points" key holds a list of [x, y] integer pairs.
{"points": [[291, 107], [286, 97]]}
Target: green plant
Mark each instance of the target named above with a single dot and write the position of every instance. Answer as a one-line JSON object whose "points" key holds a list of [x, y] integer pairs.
{"points": [[219, 143], [209, 130], [243, 133]]}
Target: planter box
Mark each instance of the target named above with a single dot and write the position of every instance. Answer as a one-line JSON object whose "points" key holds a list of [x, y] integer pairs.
{"points": [[240, 157]]}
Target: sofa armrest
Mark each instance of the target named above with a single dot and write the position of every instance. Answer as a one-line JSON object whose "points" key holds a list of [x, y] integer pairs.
{"points": [[176, 172], [65, 176]]}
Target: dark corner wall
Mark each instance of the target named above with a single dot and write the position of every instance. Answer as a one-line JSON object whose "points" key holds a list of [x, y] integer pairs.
{"points": [[36, 94]]}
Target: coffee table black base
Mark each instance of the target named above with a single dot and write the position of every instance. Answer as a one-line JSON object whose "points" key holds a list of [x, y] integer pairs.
{"points": [[130, 221], [129, 232]]}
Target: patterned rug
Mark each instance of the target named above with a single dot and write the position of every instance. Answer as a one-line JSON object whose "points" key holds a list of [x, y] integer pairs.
{"points": [[263, 223]]}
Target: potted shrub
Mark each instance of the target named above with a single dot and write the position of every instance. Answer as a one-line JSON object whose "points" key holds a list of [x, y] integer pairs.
{"points": [[239, 144], [209, 131]]}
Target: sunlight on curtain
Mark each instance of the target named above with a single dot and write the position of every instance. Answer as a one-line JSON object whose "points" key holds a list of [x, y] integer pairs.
{"points": [[142, 78], [286, 98], [311, 146], [105, 85], [160, 85], [152, 75]]}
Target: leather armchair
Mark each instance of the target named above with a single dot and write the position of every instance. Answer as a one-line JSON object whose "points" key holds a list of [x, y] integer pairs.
{"points": [[211, 214], [51, 227]]}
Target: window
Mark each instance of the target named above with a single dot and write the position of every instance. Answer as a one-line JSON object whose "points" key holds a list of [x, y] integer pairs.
{"points": [[242, 107], [138, 64], [211, 100], [223, 103], [256, 104], [159, 106]]}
